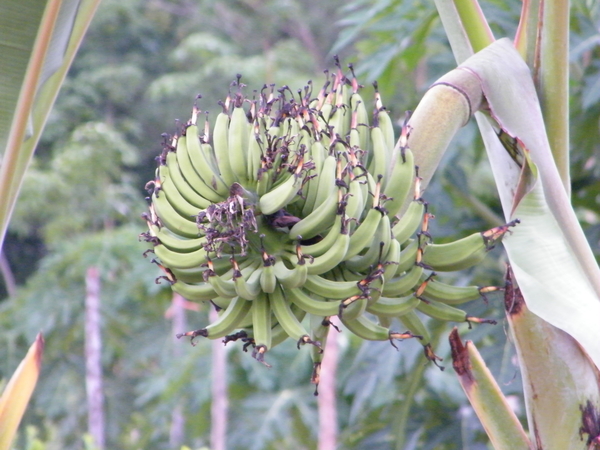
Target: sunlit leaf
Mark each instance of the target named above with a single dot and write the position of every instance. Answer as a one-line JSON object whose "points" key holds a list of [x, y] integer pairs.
{"points": [[18, 391]]}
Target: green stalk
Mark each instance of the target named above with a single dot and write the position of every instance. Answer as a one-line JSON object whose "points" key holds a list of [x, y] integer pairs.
{"points": [[475, 24], [552, 82], [498, 419]]}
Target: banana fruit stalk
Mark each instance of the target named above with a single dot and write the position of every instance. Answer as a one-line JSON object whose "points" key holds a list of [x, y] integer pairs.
{"points": [[288, 212]]}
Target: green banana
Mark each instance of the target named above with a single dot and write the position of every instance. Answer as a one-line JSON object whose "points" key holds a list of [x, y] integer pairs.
{"points": [[221, 147], [332, 257], [188, 173], [331, 289], [174, 197], [200, 156], [228, 321], [291, 278], [239, 130], [410, 221], [293, 207], [261, 326], [312, 305], [393, 306], [170, 169], [449, 294], [320, 247], [171, 219], [319, 220], [383, 237], [399, 181], [401, 285], [288, 320], [447, 313], [365, 328], [363, 235]]}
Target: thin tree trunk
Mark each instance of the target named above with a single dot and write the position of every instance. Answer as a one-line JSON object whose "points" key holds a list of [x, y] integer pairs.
{"points": [[328, 427], [220, 403], [93, 361], [177, 314]]}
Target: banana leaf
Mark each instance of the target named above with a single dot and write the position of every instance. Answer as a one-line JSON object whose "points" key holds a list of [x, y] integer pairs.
{"points": [[18, 391], [552, 261], [38, 41]]}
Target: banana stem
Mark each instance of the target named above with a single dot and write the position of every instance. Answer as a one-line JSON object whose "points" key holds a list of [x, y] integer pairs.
{"points": [[445, 107]]}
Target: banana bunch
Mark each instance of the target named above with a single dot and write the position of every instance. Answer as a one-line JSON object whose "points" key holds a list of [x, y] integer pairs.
{"points": [[294, 208]]}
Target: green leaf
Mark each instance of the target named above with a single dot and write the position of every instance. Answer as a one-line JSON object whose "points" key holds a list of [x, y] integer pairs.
{"points": [[38, 41], [551, 258]]}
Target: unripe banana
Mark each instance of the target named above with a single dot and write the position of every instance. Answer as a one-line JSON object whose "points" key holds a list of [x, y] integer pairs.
{"points": [[228, 321], [291, 278], [332, 257], [181, 160], [449, 294], [174, 242], [288, 320], [327, 241], [331, 289], [171, 219], [239, 131], [294, 207], [194, 292], [201, 159], [410, 221], [365, 328], [313, 305], [177, 201], [261, 326], [383, 236], [403, 284], [221, 147], [319, 220], [400, 180], [393, 306]]}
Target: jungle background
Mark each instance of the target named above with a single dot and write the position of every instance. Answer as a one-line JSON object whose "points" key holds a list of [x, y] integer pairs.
{"points": [[139, 70]]}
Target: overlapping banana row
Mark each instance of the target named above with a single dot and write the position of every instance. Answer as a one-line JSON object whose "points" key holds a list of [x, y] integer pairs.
{"points": [[295, 208]]}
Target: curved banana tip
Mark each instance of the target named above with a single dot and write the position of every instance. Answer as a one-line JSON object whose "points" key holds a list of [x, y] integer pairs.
{"points": [[431, 356], [401, 336], [259, 354], [307, 340], [193, 334], [470, 320]]}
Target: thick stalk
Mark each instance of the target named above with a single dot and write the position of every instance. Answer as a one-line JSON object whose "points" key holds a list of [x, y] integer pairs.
{"points": [[444, 109], [552, 81]]}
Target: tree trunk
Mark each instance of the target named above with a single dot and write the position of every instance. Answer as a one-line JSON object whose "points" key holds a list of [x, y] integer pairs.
{"points": [[328, 427], [178, 323], [93, 361], [220, 403]]}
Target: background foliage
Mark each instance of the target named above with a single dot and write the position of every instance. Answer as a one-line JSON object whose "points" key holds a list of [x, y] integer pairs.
{"points": [[139, 70]]}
